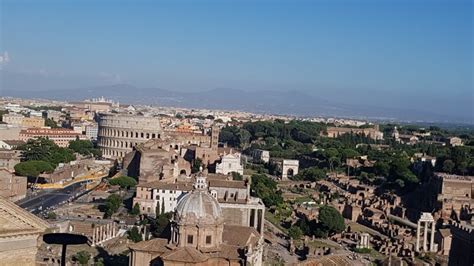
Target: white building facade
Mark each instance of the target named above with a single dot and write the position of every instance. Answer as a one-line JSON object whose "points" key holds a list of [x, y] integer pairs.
{"points": [[230, 163]]}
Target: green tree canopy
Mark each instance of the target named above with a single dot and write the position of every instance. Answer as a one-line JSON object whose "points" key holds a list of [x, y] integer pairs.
{"points": [[399, 170], [84, 147], [448, 166], [123, 181], [237, 176], [51, 123], [134, 235], [112, 204], [266, 188], [135, 210], [381, 168], [44, 149], [33, 168], [295, 232], [310, 174], [159, 224], [330, 220], [349, 154], [82, 257], [196, 165]]}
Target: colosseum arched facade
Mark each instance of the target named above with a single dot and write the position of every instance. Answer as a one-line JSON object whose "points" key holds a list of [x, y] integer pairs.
{"points": [[119, 133]]}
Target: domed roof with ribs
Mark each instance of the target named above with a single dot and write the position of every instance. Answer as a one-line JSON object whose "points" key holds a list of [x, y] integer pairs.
{"points": [[198, 206]]}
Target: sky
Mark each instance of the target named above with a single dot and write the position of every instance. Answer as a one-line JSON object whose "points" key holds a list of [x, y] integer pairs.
{"points": [[402, 54]]}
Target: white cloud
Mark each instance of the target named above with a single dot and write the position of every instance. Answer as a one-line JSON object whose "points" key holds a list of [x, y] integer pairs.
{"points": [[4, 59]]}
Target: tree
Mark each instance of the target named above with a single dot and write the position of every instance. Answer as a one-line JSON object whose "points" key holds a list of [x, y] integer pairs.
{"points": [[37, 149], [399, 170], [332, 156], [51, 216], [99, 262], [349, 154], [237, 176], [123, 181], [82, 257], [266, 188], [196, 165], [330, 220], [84, 147], [295, 232], [33, 168], [134, 235], [112, 204], [159, 224], [381, 168], [51, 123], [135, 210], [44, 149], [244, 138], [448, 166], [310, 174]]}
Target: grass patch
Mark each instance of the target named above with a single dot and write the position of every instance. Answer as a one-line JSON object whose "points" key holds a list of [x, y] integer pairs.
{"points": [[303, 199], [275, 221], [363, 250]]}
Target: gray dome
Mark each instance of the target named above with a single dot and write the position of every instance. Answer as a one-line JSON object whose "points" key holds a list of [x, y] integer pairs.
{"points": [[198, 205]]}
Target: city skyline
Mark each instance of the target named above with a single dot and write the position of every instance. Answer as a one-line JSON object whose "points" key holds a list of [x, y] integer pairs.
{"points": [[411, 55]]}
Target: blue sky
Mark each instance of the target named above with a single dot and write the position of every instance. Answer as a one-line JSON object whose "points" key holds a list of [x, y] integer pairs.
{"points": [[392, 53]]}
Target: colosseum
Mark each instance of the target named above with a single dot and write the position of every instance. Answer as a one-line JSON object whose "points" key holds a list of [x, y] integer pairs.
{"points": [[119, 133]]}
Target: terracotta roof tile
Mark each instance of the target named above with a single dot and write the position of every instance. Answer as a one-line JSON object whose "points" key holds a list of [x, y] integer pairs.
{"points": [[240, 235], [184, 254]]}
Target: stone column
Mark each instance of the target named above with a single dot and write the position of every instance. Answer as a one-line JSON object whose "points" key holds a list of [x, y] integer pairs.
{"points": [[432, 237], [263, 222], [93, 237], [425, 237], [418, 228], [255, 219]]}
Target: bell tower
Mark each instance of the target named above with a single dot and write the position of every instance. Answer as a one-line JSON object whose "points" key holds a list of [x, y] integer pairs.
{"points": [[214, 137]]}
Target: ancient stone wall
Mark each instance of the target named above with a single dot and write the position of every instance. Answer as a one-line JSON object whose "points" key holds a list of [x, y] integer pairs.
{"points": [[119, 133]]}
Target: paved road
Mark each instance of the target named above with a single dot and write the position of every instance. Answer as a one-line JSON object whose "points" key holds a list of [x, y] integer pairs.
{"points": [[51, 198]]}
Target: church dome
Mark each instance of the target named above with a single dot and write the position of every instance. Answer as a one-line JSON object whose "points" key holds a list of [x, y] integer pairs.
{"points": [[198, 206]]}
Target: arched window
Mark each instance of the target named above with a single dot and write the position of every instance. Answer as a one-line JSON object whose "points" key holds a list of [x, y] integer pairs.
{"points": [[290, 172]]}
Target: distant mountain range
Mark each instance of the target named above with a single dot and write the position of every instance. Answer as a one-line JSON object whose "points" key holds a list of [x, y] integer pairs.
{"points": [[275, 102]]}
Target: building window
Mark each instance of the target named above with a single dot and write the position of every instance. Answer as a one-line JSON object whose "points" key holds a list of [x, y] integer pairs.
{"points": [[190, 239], [208, 239]]}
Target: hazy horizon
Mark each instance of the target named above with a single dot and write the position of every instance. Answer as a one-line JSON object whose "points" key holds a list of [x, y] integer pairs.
{"points": [[408, 55]]}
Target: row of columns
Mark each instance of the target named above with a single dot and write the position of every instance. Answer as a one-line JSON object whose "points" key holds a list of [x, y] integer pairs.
{"points": [[364, 241], [425, 225], [102, 233], [257, 219]]}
